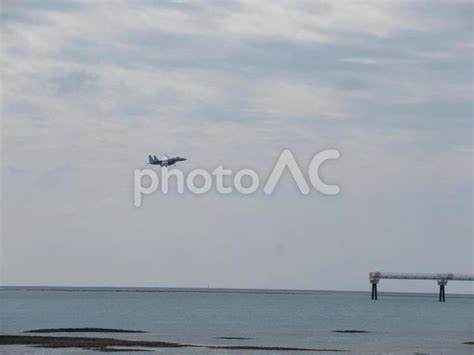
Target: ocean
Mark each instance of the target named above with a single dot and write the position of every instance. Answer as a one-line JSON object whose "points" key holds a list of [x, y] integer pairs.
{"points": [[396, 323]]}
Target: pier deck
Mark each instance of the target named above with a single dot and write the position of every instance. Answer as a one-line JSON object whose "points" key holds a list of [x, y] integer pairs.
{"points": [[442, 280]]}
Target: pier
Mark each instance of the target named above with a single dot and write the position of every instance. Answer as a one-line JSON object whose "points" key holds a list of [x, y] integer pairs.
{"points": [[441, 279]]}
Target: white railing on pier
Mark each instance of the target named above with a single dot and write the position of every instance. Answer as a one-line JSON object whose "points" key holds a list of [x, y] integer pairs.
{"points": [[419, 276]]}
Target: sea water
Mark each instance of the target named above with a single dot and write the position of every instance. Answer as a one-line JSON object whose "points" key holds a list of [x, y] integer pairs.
{"points": [[396, 323]]}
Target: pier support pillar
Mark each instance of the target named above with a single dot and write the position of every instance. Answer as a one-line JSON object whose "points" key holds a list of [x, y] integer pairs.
{"points": [[442, 293], [374, 291], [374, 278]]}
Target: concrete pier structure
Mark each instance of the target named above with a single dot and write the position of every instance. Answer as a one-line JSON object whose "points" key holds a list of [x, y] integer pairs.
{"points": [[442, 280]]}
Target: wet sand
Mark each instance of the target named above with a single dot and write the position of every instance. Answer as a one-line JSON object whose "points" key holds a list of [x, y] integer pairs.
{"points": [[107, 344]]}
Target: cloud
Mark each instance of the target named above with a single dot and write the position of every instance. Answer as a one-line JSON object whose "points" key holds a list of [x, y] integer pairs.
{"points": [[338, 69], [90, 88]]}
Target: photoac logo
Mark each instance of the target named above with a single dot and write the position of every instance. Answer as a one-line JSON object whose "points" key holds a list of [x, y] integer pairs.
{"points": [[216, 177]]}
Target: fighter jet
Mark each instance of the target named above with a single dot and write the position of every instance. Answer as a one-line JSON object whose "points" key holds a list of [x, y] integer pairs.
{"points": [[153, 160]]}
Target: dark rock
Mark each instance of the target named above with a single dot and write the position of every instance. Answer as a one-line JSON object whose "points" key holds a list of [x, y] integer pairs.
{"points": [[351, 331], [83, 330]]}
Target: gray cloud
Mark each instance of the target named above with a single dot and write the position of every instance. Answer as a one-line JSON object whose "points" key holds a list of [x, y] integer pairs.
{"points": [[90, 88]]}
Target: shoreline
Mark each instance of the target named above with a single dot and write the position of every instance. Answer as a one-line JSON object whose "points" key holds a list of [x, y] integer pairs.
{"points": [[108, 344]]}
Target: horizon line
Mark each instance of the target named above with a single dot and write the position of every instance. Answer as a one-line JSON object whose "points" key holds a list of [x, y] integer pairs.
{"points": [[229, 290]]}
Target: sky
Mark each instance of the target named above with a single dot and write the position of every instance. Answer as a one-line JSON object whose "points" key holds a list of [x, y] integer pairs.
{"points": [[90, 88]]}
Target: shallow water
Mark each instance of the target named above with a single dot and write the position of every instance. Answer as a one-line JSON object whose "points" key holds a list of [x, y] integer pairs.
{"points": [[397, 323]]}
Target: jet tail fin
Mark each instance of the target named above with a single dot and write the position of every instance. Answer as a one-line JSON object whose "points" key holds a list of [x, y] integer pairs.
{"points": [[156, 159], [150, 159]]}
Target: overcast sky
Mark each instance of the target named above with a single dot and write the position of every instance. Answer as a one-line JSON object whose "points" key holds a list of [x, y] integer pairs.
{"points": [[90, 88]]}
